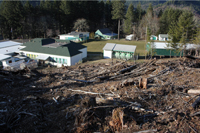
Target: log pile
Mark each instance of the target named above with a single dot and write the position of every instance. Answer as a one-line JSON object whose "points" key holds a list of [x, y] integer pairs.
{"points": [[153, 96]]}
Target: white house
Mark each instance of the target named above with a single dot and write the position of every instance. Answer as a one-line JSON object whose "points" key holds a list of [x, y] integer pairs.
{"points": [[119, 51], [75, 36], [56, 52], [163, 37]]}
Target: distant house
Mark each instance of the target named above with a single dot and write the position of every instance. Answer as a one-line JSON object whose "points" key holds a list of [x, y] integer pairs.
{"points": [[163, 37], [153, 37], [54, 51], [105, 34], [119, 51], [75, 36]]}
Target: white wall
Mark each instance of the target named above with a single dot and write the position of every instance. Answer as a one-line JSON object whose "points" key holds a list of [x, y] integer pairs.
{"points": [[75, 59], [84, 52], [107, 54], [63, 37], [54, 63], [11, 49]]}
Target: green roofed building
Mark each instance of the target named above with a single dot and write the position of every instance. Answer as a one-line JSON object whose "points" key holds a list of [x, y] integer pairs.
{"points": [[54, 51], [161, 49]]}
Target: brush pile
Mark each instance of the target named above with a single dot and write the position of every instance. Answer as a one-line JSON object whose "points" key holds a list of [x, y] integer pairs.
{"points": [[154, 96]]}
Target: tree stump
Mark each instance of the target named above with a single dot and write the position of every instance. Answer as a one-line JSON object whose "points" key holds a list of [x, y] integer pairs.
{"points": [[143, 83]]}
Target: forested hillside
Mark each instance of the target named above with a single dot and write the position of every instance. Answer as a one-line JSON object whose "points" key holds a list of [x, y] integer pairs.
{"points": [[30, 19]]}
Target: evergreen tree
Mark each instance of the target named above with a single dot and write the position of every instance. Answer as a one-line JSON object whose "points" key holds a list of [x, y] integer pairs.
{"points": [[197, 41], [66, 21], [118, 12], [181, 31], [148, 34], [185, 27], [129, 19], [108, 15], [139, 12], [170, 16], [57, 16], [150, 9], [12, 12], [28, 20], [160, 13]]}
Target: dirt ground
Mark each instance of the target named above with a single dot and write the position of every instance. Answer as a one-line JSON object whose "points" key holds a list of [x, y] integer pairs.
{"points": [[103, 96]]}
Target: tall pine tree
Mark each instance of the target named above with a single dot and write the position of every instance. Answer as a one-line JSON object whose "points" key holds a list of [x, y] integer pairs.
{"points": [[129, 19], [118, 12], [181, 31]]}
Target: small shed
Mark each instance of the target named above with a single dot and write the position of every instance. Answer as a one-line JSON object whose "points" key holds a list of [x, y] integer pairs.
{"points": [[75, 36], [119, 51], [105, 34]]}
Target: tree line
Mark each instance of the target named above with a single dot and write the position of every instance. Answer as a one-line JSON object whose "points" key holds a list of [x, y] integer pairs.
{"points": [[51, 18]]}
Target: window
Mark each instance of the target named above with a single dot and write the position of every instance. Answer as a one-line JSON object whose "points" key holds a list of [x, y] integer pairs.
{"points": [[59, 60], [10, 61]]}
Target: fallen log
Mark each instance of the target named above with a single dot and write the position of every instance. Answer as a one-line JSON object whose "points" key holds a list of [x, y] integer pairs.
{"points": [[127, 82], [196, 102], [193, 91], [94, 93], [197, 113], [126, 69], [135, 71], [147, 131], [85, 81]]}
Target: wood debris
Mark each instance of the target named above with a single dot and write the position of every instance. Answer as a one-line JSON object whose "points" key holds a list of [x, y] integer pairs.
{"points": [[153, 96]]}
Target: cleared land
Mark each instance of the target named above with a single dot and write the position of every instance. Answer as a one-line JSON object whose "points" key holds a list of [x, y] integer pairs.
{"points": [[103, 96], [96, 46]]}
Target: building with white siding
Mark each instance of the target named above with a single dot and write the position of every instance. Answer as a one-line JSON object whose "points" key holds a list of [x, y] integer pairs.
{"points": [[9, 47], [54, 51], [75, 36], [119, 51]]}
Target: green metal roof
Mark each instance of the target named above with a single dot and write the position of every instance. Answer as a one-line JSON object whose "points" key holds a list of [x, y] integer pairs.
{"points": [[40, 45]]}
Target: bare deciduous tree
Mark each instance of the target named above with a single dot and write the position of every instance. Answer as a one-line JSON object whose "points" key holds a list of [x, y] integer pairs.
{"points": [[150, 21], [49, 32], [81, 25]]}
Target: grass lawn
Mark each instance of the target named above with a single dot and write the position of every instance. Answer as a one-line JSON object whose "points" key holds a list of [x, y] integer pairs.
{"points": [[96, 46]]}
